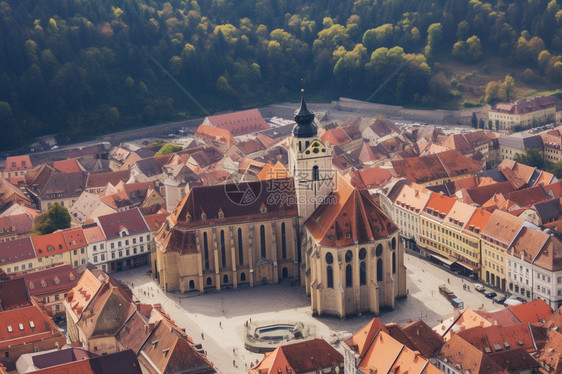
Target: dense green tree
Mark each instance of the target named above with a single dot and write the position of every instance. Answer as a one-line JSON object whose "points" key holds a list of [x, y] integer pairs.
{"points": [[531, 158], [474, 120], [55, 218]]}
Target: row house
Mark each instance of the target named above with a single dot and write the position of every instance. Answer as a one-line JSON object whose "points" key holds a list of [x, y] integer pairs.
{"points": [[533, 266], [16, 167], [432, 240], [552, 146], [498, 235], [127, 241], [47, 185], [51, 286], [519, 115]]}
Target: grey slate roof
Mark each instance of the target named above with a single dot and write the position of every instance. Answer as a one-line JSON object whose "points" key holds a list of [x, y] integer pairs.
{"points": [[521, 141]]}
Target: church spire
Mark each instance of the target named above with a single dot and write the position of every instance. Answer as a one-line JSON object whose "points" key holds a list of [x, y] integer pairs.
{"points": [[304, 118]]}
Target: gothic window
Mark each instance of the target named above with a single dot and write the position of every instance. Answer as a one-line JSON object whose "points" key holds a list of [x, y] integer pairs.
{"points": [[283, 242], [348, 276], [223, 249], [209, 281], [315, 173], [206, 250], [379, 270], [243, 277], [362, 253], [379, 250], [393, 243], [348, 256], [362, 273], [329, 258], [393, 262], [330, 276], [262, 239], [240, 247], [225, 279]]}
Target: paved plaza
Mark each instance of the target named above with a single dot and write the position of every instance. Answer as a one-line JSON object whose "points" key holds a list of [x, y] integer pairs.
{"points": [[216, 319]]}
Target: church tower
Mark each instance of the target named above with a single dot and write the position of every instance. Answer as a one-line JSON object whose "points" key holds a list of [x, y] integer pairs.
{"points": [[310, 164]]}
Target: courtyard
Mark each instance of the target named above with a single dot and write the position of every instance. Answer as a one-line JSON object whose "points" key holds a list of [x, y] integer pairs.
{"points": [[217, 319]]}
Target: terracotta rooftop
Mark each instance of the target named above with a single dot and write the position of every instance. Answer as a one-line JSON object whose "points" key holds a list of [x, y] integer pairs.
{"points": [[16, 250], [155, 221], [239, 123], [536, 311], [26, 325], [525, 106], [49, 244], [480, 195], [439, 205], [19, 224], [310, 356], [250, 146], [383, 127], [17, 163], [50, 280], [446, 164], [424, 339], [502, 227], [81, 295], [354, 218], [215, 134], [167, 350], [270, 171], [335, 137], [459, 215], [469, 359], [362, 339], [70, 165], [370, 177], [102, 179], [413, 199], [493, 339], [477, 221], [13, 294], [132, 221]]}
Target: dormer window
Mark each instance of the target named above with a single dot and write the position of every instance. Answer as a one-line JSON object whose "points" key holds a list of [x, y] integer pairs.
{"points": [[221, 213], [43, 284], [57, 281], [31, 286], [72, 277], [203, 216], [263, 208]]}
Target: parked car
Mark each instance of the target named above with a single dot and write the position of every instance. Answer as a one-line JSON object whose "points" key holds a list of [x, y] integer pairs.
{"points": [[479, 288], [500, 299], [490, 294]]}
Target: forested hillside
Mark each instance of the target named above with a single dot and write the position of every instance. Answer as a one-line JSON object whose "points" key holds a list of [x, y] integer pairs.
{"points": [[84, 67]]}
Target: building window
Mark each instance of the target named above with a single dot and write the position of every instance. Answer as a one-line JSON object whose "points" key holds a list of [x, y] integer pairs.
{"points": [[225, 279], [240, 247], [191, 284], [223, 250], [127, 252], [242, 277], [209, 281], [330, 276], [348, 276], [393, 262], [206, 250], [120, 253], [283, 242], [262, 239], [379, 250], [95, 258], [362, 273], [379, 270], [112, 245], [315, 173]]}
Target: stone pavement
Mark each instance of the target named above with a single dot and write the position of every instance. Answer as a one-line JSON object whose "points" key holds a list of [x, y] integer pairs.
{"points": [[216, 319]]}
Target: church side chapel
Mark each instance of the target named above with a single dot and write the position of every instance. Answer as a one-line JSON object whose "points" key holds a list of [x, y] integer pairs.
{"points": [[314, 227]]}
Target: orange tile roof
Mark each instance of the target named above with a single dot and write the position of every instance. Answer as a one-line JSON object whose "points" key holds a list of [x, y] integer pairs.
{"points": [[335, 137], [271, 171], [74, 238], [459, 215], [70, 165], [478, 221], [412, 199], [82, 294], [311, 356], [469, 359], [93, 234], [502, 226], [495, 337], [353, 218], [439, 203], [240, 123], [534, 312], [370, 177], [16, 163], [215, 134], [361, 340], [26, 325], [49, 244]]}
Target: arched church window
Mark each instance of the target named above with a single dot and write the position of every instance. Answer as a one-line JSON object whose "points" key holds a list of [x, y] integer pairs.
{"points": [[348, 276], [379, 270], [348, 256], [223, 249], [262, 240], [393, 243], [379, 250], [283, 242], [329, 258], [362, 273], [330, 276], [240, 247], [393, 262], [362, 253], [206, 250], [315, 173]]}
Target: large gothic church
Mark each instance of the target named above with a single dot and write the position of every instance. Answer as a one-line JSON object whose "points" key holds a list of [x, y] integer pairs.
{"points": [[314, 227]]}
